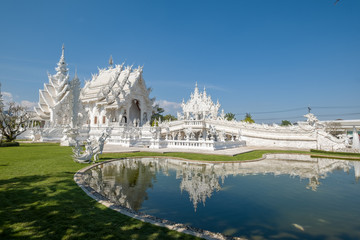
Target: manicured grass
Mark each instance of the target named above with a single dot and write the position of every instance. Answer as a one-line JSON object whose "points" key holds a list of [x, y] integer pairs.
{"points": [[335, 153], [241, 157], [195, 156], [40, 200]]}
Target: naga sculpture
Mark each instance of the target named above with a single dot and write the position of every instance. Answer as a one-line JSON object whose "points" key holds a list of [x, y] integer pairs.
{"points": [[93, 147]]}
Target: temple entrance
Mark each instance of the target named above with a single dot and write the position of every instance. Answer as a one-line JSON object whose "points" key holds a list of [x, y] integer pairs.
{"points": [[134, 112], [112, 115]]}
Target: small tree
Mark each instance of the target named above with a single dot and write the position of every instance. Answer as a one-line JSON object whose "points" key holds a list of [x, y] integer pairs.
{"points": [[285, 123], [13, 121], [248, 118], [230, 116], [157, 114], [169, 117]]}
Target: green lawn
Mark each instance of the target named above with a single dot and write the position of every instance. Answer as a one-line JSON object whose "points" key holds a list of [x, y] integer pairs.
{"points": [[241, 157], [40, 200]]}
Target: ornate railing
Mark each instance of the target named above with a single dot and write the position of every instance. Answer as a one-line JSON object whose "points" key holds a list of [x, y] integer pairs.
{"points": [[192, 144]]}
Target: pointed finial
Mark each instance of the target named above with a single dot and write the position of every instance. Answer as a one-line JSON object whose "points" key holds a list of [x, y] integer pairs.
{"points": [[111, 61], [76, 76], [61, 65], [196, 92], [62, 50], [204, 94]]}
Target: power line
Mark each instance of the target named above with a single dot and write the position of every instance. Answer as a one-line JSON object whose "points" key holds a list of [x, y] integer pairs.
{"points": [[297, 117], [300, 108], [279, 111], [338, 114], [282, 118], [336, 107]]}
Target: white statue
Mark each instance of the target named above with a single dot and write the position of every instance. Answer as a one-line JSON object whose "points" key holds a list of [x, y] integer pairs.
{"points": [[311, 119], [154, 132], [92, 148], [356, 141], [188, 131], [212, 132]]}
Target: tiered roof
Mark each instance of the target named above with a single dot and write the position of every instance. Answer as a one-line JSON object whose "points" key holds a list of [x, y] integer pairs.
{"points": [[112, 86], [56, 91]]}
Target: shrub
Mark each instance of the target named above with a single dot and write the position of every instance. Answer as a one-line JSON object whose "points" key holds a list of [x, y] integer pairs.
{"points": [[9, 144]]}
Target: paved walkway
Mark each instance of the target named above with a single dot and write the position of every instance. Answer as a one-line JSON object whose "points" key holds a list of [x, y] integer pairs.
{"points": [[108, 148]]}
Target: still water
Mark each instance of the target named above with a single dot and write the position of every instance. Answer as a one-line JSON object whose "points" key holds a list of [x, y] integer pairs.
{"points": [[281, 197]]}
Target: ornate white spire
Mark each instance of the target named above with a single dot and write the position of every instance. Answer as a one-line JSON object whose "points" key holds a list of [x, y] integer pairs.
{"points": [[61, 65], [111, 63], [196, 92], [75, 100], [76, 76], [54, 98]]}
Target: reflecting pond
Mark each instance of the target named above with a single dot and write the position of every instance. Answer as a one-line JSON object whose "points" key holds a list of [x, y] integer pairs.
{"points": [[281, 197]]}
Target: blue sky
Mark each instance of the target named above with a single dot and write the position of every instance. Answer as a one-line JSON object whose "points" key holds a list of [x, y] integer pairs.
{"points": [[271, 58]]}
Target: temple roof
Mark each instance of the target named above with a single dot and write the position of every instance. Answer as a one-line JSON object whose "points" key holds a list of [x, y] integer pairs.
{"points": [[111, 84]]}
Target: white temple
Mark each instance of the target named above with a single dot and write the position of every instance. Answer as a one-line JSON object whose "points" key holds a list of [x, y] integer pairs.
{"points": [[116, 99]]}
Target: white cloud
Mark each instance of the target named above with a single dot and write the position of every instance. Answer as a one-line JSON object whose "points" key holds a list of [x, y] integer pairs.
{"points": [[169, 107], [28, 104], [7, 97]]}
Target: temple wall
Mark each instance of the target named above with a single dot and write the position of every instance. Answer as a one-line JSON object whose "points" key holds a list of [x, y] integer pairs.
{"points": [[253, 141]]}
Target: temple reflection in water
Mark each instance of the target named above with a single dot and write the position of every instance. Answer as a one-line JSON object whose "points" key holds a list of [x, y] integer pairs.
{"points": [[125, 182]]}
